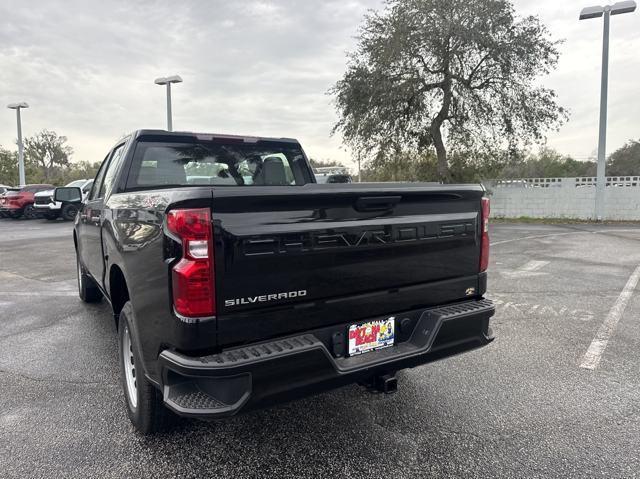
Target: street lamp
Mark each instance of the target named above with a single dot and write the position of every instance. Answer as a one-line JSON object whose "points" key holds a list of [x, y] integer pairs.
{"points": [[168, 81], [17, 107], [585, 14]]}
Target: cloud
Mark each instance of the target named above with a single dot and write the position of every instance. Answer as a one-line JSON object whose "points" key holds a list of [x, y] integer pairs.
{"points": [[250, 67], [87, 68], [577, 78]]}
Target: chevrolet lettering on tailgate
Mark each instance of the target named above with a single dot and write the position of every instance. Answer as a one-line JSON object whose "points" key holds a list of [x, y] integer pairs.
{"points": [[337, 239]]}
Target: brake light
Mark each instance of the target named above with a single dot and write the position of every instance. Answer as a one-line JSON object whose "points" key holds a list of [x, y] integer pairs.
{"points": [[193, 280], [484, 237]]}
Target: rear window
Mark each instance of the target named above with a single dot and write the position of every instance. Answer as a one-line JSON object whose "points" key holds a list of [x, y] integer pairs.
{"points": [[76, 184], [217, 164]]}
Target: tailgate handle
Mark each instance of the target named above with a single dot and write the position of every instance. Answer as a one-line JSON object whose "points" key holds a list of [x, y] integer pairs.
{"points": [[377, 203]]}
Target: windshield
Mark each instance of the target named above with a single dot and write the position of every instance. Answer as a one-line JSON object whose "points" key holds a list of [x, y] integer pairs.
{"points": [[221, 164], [77, 183]]}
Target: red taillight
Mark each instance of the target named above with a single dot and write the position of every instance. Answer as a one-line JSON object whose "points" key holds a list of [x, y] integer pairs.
{"points": [[193, 280], [484, 238]]}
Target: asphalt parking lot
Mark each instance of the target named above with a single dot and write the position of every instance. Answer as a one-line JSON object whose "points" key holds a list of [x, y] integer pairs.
{"points": [[521, 407]]}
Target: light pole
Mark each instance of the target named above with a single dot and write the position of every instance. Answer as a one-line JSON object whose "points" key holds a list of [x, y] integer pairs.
{"points": [[17, 107], [585, 14], [168, 81]]}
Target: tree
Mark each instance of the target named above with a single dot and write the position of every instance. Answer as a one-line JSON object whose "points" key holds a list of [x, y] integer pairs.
{"points": [[80, 171], [50, 153], [401, 165], [474, 167], [463, 72], [8, 167], [625, 160], [322, 163], [548, 163], [47, 162]]}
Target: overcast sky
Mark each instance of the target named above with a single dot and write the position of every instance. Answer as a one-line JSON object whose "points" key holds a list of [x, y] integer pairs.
{"points": [[86, 68]]}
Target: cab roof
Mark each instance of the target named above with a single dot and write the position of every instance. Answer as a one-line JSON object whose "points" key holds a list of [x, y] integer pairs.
{"points": [[210, 136]]}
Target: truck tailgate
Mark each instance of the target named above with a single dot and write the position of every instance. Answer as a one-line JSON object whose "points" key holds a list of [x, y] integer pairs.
{"points": [[293, 258]]}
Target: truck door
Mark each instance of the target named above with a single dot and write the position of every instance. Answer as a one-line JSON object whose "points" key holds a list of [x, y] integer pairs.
{"points": [[91, 215]]}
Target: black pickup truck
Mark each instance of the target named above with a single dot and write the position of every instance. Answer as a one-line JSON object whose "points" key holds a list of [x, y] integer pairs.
{"points": [[236, 282]]}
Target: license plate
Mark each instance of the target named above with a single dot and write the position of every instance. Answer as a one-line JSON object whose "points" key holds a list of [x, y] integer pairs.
{"points": [[365, 337]]}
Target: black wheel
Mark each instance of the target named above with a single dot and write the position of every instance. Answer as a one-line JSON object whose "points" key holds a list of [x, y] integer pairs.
{"points": [[87, 288], [69, 212], [145, 407], [29, 212]]}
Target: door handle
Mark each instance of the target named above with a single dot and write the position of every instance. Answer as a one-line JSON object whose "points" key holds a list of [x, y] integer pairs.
{"points": [[376, 203]]}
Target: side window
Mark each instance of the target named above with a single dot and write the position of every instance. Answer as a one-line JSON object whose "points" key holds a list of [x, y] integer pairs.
{"points": [[112, 169], [98, 181]]}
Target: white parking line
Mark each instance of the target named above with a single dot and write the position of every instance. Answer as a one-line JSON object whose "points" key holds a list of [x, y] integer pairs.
{"points": [[533, 265], [528, 269], [38, 293], [495, 243], [599, 344], [615, 230]]}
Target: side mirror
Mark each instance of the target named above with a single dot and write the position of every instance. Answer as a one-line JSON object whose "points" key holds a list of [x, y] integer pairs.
{"points": [[68, 194]]}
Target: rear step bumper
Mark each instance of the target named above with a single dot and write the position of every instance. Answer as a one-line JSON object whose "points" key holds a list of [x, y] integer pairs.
{"points": [[261, 374]]}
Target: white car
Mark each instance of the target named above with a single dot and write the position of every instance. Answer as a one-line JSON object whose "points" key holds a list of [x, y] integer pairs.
{"points": [[44, 204]]}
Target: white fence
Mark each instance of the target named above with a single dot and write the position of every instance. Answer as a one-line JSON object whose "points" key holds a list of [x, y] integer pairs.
{"points": [[564, 198]]}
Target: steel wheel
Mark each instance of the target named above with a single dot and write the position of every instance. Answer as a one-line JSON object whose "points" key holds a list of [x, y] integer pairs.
{"points": [[29, 212], [69, 212], [129, 367], [79, 275]]}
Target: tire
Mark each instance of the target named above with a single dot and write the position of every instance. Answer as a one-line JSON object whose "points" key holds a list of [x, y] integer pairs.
{"points": [[145, 407], [87, 288], [29, 212], [69, 212]]}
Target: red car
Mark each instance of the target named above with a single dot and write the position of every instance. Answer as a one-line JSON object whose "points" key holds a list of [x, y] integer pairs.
{"points": [[17, 203]]}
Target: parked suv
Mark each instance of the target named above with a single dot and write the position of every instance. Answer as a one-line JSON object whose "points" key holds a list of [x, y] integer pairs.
{"points": [[51, 210], [16, 204], [4, 189], [326, 178]]}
